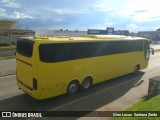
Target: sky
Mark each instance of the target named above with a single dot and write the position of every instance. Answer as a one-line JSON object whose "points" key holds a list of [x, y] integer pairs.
{"points": [[132, 15]]}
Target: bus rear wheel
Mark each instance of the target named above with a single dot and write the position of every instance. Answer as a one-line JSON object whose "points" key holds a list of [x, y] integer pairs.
{"points": [[72, 88], [87, 83]]}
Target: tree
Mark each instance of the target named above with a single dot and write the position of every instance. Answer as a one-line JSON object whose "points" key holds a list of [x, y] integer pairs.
{"points": [[158, 29], [126, 32]]}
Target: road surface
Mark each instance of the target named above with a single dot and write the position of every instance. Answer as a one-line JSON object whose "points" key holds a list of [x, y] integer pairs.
{"points": [[7, 65]]}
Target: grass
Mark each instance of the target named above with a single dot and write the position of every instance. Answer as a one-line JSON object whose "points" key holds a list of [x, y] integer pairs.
{"points": [[146, 104]]}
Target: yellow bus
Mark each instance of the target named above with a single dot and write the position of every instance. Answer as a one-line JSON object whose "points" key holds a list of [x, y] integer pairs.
{"points": [[51, 66]]}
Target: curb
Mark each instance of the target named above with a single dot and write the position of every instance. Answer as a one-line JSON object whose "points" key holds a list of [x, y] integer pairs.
{"points": [[7, 73], [5, 58], [156, 50], [7, 49]]}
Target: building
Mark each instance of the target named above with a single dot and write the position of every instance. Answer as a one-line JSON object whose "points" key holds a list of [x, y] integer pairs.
{"points": [[9, 32], [108, 31], [52, 33], [154, 36], [7, 24]]}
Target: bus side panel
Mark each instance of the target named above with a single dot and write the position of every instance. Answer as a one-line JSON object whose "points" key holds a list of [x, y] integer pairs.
{"points": [[104, 67], [54, 77], [51, 79]]}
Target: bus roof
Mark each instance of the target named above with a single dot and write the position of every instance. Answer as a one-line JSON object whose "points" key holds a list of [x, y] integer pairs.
{"points": [[85, 38]]}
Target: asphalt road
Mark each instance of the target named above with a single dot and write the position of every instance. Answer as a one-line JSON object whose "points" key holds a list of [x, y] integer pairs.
{"points": [[7, 65], [116, 94], [7, 52]]}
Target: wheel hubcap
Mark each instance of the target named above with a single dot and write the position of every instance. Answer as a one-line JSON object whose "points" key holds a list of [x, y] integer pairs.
{"points": [[86, 84], [72, 88]]}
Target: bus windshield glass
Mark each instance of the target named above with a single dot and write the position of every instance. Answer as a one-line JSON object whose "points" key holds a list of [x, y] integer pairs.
{"points": [[25, 47]]}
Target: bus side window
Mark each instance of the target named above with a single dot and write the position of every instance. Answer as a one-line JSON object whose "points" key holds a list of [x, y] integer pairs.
{"points": [[62, 52]]}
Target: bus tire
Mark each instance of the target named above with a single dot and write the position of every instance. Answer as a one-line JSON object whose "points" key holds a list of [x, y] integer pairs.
{"points": [[86, 84], [137, 68], [72, 87]]}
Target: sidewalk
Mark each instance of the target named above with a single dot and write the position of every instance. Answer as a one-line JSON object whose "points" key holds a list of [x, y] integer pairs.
{"points": [[155, 47]]}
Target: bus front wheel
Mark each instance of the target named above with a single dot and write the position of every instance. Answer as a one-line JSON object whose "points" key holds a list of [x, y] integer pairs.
{"points": [[87, 83], [72, 88]]}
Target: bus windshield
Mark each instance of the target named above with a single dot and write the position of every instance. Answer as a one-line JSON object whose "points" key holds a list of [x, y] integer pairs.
{"points": [[25, 47]]}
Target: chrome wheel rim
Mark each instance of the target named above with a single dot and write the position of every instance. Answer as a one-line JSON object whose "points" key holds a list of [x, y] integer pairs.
{"points": [[72, 88], [86, 84]]}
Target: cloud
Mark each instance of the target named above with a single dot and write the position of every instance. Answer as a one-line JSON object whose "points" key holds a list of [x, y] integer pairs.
{"points": [[113, 6], [109, 23], [10, 3], [62, 11], [125, 14], [142, 11], [13, 15], [18, 15], [132, 26], [2, 12]]}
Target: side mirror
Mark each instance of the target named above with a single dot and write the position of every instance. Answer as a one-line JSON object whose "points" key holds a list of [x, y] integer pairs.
{"points": [[152, 51]]}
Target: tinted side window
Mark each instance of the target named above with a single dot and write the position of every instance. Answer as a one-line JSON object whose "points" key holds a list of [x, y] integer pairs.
{"points": [[25, 47], [54, 52], [69, 51]]}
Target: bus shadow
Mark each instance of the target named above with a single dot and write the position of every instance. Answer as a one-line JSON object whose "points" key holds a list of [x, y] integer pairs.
{"points": [[99, 95]]}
